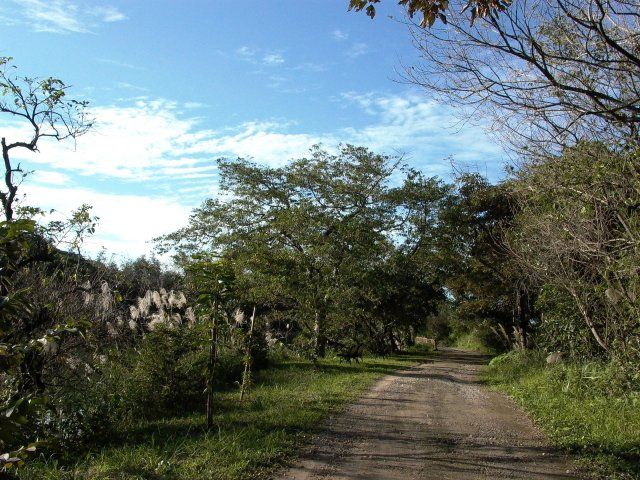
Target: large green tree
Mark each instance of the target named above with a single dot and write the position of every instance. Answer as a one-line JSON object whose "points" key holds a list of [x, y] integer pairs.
{"points": [[466, 246], [305, 235]]}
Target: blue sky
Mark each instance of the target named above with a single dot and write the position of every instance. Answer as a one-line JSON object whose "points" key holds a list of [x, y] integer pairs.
{"points": [[174, 85]]}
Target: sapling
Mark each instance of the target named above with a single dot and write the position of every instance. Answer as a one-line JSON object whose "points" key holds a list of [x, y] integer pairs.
{"points": [[246, 375]]}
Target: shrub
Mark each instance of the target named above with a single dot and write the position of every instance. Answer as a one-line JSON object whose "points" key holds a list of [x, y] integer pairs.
{"points": [[163, 376]]}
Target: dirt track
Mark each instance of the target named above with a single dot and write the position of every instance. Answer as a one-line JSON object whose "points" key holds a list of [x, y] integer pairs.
{"points": [[433, 421]]}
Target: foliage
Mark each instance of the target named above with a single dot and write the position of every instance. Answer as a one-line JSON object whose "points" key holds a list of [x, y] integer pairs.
{"points": [[21, 353], [310, 236], [29, 335], [251, 439], [432, 10], [466, 246], [577, 236], [133, 278]]}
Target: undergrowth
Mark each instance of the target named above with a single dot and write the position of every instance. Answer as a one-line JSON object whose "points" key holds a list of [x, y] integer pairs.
{"points": [[287, 403]]}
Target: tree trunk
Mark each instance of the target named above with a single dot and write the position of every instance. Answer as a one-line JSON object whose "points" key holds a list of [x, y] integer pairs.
{"points": [[320, 340], [9, 197], [524, 313]]}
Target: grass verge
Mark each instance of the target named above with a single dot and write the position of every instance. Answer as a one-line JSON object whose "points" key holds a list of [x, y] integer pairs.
{"points": [[287, 403], [575, 406]]}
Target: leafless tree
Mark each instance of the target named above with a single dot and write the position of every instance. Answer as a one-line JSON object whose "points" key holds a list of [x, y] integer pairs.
{"points": [[547, 72], [41, 103]]}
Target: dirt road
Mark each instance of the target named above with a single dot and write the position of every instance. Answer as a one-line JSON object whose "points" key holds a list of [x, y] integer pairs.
{"points": [[433, 421]]}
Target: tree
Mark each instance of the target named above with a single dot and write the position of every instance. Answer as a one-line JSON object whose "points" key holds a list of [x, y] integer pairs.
{"points": [[304, 235], [214, 285], [42, 104], [577, 236], [547, 72], [466, 247], [23, 244]]}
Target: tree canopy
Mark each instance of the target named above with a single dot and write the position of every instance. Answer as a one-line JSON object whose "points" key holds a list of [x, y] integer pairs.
{"points": [[310, 234]]}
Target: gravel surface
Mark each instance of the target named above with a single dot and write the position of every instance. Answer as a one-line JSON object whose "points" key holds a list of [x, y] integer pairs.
{"points": [[432, 421]]}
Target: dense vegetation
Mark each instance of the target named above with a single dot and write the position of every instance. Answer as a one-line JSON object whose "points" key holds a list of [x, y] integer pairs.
{"points": [[580, 406], [346, 251]]}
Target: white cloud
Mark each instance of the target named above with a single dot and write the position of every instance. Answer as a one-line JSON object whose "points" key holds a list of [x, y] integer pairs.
{"points": [[339, 36], [246, 51], [152, 140], [193, 105], [127, 222], [357, 50], [47, 177], [266, 142], [429, 132], [273, 59], [118, 63], [163, 162], [260, 56], [108, 14], [309, 67], [61, 16], [130, 86], [136, 142]]}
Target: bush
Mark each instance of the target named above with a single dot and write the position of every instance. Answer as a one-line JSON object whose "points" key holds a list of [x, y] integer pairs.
{"points": [[563, 329], [164, 376], [167, 372]]}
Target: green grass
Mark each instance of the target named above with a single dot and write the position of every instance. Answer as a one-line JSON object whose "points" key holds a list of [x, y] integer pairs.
{"points": [[286, 405], [472, 341], [578, 408]]}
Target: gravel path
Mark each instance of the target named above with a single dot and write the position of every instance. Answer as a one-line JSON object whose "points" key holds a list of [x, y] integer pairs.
{"points": [[432, 421]]}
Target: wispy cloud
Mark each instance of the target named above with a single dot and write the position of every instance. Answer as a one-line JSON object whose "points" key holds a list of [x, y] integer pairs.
{"points": [[260, 56], [118, 63], [273, 59], [246, 52], [339, 36], [48, 177], [126, 222], [357, 50], [428, 132], [131, 143], [107, 14], [309, 67], [61, 16], [152, 140], [130, 86], [193, 105]]}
